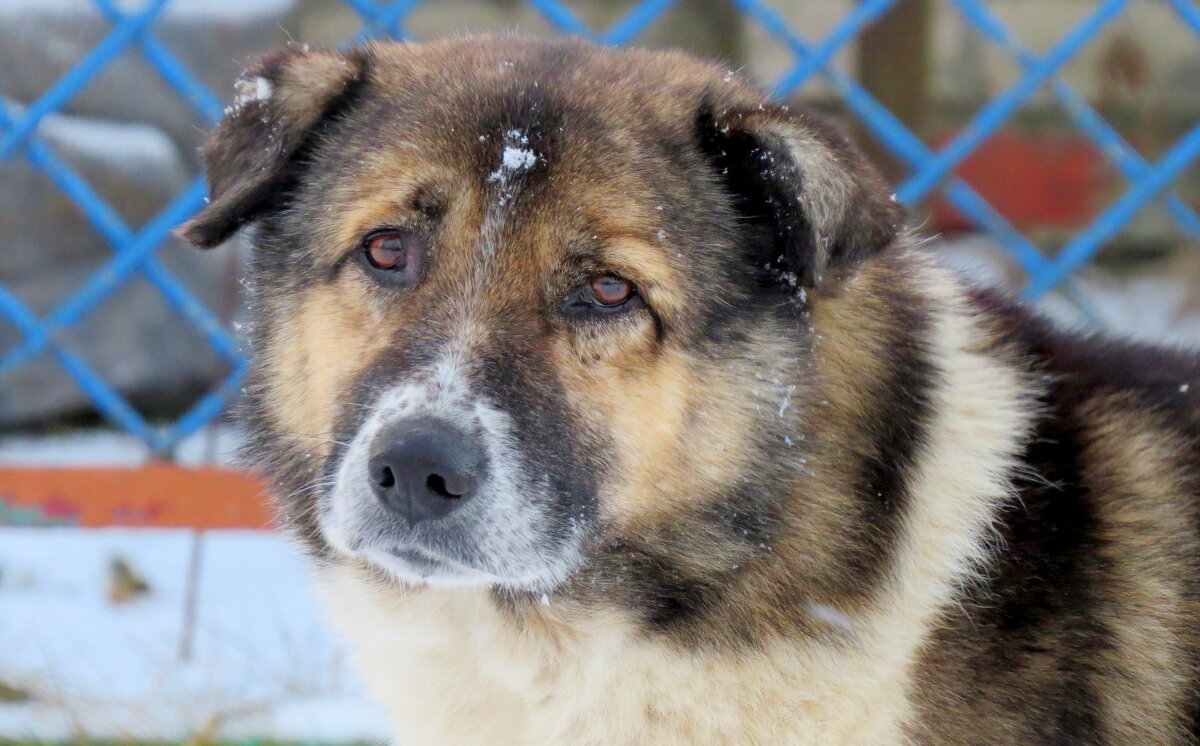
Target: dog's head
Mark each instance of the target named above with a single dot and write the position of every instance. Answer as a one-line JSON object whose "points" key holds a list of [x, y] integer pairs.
{"points": [[515, 299]]}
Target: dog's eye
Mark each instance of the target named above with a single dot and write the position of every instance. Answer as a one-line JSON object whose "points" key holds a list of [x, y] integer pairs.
{"points": [[387, 251], [610, 290], [602, 294], [393, 256]]}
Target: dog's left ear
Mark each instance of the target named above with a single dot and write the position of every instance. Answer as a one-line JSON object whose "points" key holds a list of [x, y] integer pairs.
{"points": [[283, 102], [803, 184]]}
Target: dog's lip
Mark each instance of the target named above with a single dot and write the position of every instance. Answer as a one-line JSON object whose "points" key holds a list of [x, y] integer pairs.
{"points": [[423, 559], [416, 555]]}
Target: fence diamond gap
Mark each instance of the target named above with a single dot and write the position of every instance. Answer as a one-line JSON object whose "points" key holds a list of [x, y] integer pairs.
{"points": [[134, 250]]}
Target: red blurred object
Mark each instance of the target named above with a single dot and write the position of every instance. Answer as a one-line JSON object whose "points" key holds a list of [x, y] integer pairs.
{"points": [[1052, 181]]}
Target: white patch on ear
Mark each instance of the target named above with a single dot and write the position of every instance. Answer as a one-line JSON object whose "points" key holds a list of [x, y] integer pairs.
{"points": [[252, 90], [826, 184]]}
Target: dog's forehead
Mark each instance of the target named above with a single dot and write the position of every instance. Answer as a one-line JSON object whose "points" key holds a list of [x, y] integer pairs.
{"points": [[605, 82], [570, 131], [570, 103]]}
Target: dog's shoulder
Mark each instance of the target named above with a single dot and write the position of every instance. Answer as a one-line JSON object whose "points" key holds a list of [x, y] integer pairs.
{"points": [[1094, 574]]}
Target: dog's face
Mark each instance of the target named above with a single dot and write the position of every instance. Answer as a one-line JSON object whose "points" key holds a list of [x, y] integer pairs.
{"points": [[516, 302]]}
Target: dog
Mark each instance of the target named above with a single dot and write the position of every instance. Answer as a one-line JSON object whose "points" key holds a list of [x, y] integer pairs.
{"points": [[615, 404]]}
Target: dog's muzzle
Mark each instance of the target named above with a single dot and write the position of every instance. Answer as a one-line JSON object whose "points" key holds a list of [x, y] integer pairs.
{"points": [[433, 489]]}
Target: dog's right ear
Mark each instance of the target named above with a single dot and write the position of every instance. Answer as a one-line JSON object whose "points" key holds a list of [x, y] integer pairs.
{"points": [[798, 178], [283, 100]]}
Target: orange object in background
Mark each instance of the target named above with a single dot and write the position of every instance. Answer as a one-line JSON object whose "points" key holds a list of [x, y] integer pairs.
{"points": [[158, 495], [1048, 182]]}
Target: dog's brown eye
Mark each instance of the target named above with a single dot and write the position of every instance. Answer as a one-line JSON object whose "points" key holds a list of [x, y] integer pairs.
{"points": [[610, 290], [394, 256], [602, 295], [387, 251]]}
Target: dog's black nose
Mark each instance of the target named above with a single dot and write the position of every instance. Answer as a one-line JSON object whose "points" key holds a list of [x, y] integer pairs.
{"points": [[424, 469]]}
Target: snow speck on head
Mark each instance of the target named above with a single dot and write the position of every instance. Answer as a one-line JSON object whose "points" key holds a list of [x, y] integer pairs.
{"points": [[516, 159], [1183, 387], [517, 156]]}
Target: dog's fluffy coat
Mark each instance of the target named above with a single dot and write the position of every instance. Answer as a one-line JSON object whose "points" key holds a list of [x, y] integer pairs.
{"points": [[818, 490]]}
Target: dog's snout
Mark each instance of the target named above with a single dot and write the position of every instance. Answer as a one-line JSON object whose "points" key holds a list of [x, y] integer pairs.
{"points": [[425, 469]]}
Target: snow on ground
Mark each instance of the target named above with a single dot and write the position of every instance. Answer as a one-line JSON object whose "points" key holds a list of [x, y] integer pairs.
{"points": [[263, 662], [103, 447]]}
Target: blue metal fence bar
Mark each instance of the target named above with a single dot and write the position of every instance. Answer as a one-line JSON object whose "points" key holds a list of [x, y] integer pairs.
{"points": [[387, 20], [1189, 12], [634, 22], [900, 140], [1132, 165], [118, 234], [624, 30], [80, 75], [169, 67], [109, 276], [381, 20], [1110, 222], [562, 18], [111, 403], [860, 16], [1001, 108], [108, 401]]}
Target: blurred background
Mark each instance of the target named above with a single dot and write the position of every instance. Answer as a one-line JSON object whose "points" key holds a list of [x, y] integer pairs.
{"points": [[1047, 146]]}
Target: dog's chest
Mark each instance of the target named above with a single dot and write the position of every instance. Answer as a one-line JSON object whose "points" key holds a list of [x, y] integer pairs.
{"points": [[449, 668]]}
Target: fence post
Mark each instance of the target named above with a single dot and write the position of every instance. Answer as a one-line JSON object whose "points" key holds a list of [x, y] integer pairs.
{"points": [[894, 65]]}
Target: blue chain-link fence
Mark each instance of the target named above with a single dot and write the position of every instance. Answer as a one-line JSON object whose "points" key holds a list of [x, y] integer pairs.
{"points": [[134, 249]]}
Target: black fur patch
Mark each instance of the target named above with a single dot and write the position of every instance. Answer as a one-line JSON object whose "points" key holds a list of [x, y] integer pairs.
{"points": [[555, 444], [1028, 638], [765, 186], [899, 413], [1042, 590]]}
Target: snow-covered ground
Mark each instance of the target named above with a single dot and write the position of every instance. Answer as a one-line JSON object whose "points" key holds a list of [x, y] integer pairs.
{"points": [[263, 663], [105, 447]]}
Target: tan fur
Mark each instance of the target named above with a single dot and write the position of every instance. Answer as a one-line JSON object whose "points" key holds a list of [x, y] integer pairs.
{"points": [[337, 333], [1145, 528]]}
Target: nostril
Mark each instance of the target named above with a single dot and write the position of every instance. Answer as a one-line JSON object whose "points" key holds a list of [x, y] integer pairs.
{"points": [[386, 477], [437, 485]]}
